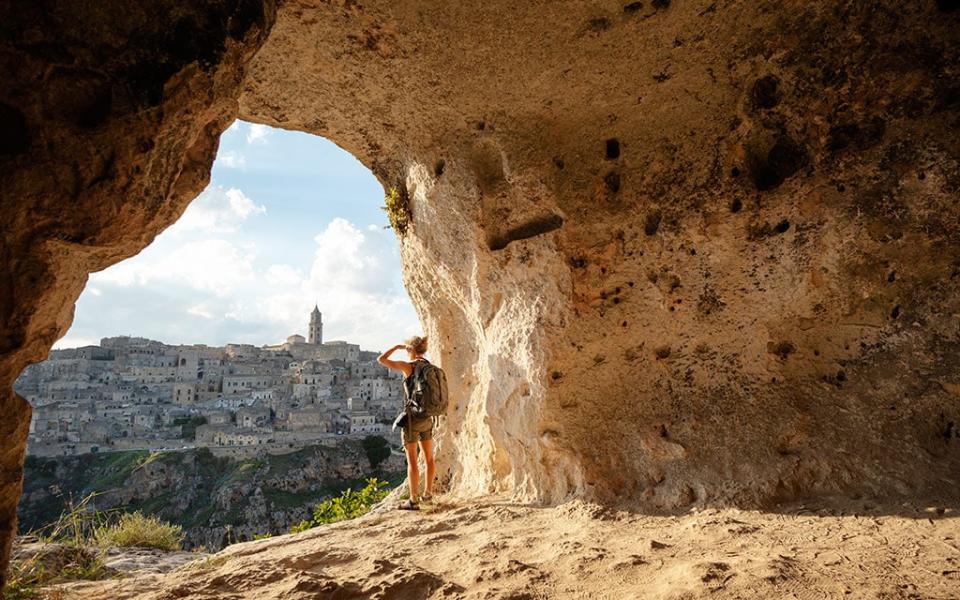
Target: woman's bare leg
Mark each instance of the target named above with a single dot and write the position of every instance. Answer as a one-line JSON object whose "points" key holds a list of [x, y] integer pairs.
{"points": [[426, 446], [413, 471]]}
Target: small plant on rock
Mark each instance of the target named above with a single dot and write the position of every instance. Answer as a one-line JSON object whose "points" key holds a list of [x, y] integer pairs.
{"points": [[397, 205]]}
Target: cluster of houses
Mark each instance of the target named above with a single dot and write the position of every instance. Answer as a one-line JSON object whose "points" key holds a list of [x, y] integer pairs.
{"points": [[135, 393]]}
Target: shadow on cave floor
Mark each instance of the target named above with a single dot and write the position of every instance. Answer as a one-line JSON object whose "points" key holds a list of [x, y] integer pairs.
{"points": [[930, 509]]}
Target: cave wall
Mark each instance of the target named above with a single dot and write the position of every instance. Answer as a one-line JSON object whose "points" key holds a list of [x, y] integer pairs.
{"points": [[110, 116], [670, 253]]}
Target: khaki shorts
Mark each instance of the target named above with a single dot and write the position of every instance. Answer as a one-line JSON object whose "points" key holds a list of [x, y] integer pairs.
{"points": [[418, 430]]}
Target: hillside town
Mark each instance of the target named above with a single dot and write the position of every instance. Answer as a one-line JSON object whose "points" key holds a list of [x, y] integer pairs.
{"points": [[135, 393]]}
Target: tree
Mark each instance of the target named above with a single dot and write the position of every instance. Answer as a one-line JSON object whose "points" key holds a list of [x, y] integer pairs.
{"points": [[377, 448]]}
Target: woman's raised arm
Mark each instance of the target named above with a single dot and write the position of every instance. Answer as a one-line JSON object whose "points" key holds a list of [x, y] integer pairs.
{"points": [[397, 365]]}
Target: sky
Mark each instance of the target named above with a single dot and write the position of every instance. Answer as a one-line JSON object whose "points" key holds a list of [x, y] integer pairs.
{"points": [[289, 220]]}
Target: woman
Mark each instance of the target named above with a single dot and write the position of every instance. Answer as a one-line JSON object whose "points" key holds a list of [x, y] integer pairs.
{"points": [[416, 430]]}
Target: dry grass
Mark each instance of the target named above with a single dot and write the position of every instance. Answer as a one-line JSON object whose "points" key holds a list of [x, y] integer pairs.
{"points": [[139, 530], [63, 555]]}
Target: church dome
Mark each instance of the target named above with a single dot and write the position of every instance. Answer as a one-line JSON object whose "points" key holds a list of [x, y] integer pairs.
{"points": [[296, 339]]}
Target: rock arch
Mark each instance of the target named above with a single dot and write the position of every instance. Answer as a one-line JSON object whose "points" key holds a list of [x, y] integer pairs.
{"points": [[751, 298]]}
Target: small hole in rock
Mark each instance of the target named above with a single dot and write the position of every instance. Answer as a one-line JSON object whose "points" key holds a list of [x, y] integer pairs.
{"points": [[439, 167], [921, 175], [481, 125], [736, 205], [659, 4], [558, 162], [612, 181], [892, 277], [14, 126], [895, 312], [782, 226], [613, 149], [598, 24], [735, 172], [784, 159], [765, 92], [652, 222], [841, 187], [632, 7], [783, 349]]}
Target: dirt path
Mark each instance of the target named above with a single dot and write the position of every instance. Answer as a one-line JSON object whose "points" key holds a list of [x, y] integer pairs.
{"points": [[495, 549]]}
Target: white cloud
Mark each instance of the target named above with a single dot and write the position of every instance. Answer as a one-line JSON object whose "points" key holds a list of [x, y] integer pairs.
{"points": [[283, 275], [241, 205], [350, 259], [215, 266], [94, 291], [200, 310], [232, 159], [217, 210], [257, 133]]}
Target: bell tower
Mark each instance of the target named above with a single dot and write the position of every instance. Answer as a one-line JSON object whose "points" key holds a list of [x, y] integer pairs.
{"points": [[316, 327]]}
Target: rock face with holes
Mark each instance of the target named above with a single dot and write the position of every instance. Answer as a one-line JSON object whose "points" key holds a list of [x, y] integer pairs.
{"points": [[668, 253]]}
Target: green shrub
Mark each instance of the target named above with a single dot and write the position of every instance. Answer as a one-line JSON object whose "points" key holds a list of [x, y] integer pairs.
{"points": [[398, 209], [348, 505], [377, 448], [137, 530]]}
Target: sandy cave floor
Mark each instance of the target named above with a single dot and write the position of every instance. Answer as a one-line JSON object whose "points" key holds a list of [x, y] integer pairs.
{"points": [[497, 549]]}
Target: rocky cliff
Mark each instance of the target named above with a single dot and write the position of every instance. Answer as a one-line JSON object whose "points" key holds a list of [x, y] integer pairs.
{"points": [[671, 253], [217, 501]]}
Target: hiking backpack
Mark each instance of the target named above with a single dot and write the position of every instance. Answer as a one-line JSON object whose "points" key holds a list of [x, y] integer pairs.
{"points": [[427, 390]]}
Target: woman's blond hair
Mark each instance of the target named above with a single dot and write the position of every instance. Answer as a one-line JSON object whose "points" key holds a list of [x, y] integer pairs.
{"points": [[418, 344]]}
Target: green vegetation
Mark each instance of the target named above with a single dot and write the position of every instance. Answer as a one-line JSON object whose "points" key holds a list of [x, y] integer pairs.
{"points": [[285, 499], [137, 530], [348, 505], [125, 482], [397, 205], [377, 448]]}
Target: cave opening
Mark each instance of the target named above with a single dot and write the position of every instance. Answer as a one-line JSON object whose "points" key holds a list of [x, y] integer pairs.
{"points": [[242, 340]]}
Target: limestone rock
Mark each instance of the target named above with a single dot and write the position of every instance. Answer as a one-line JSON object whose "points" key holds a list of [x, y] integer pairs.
{"points": [[669, 253]]}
